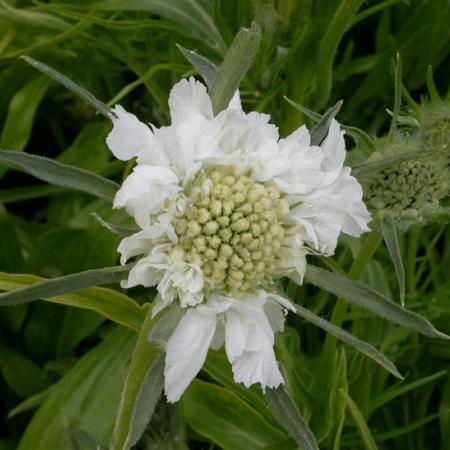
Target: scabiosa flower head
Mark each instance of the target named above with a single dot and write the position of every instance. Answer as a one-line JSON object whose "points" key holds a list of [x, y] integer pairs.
{"points": [[225, 209], [410, 191]]}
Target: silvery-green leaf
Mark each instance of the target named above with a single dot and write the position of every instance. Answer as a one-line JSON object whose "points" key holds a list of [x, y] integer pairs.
{"points": [[320, 129], [142, 389], [121, 231], [65, 284], [389, 229], [366, 297], [204, 66], [315, 117], [108, 303], [59, 174], [363, 347], [287, 413], [237, 61], [69, 84]]}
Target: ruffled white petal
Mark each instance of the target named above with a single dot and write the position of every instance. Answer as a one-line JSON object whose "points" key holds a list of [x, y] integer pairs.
{"points": [[249, 340], [143, 241], [129, 136], [330, 210], [187, 99], [149, 270], [292, 258], [235, 102], [184, 280], [186, 351], [146, 191], [333, 148]]}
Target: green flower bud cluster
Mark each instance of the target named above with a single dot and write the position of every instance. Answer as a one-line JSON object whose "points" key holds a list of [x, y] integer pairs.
{"points": [[410, 190], [232, 229]]}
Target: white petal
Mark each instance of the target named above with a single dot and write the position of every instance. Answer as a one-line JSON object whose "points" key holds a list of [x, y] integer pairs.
{"points": [[133, 245], [249, 340], [334, 151], [292, 257], [148, 271], [297, 140], [187, 98], [258, 367], [146, 192], [184, 280], [235, 102], [330, 210], [186, 351], [129, 136]]}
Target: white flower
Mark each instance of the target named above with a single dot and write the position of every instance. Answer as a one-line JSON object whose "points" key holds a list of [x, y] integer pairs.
{"points": [[225, 208]]}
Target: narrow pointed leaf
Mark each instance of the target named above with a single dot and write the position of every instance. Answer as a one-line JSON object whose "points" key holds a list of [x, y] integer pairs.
{"points": [[344, 12], [237, 61], [108, 303], [307, 112], [30, 403], [431, 85], [142, 390], [366, 436], [59, 174], [358, 135], [121, 231], [69, 84], [397, 97], [389, 230], [287, 413], [394, 392], [21, 113], [320, 129], [64, 285], [363, 347], [366, 297], [206, 68]]}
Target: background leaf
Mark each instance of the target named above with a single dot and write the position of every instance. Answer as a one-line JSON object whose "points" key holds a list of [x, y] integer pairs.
{"points": [[60, 174], [237, 61], [89, 391], [110, 304]]}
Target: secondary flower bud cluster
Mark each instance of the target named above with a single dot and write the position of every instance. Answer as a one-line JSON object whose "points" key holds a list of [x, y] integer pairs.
{"points": [[232, 229], [409, 190]]}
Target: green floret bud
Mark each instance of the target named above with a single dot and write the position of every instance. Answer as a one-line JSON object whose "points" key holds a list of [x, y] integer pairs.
{"points": [[203, 216], [193, 228], [240, 225], [210, 254], [211, 228]]}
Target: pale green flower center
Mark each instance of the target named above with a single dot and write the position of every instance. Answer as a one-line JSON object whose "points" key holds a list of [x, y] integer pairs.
{"points": [[232, 229]]}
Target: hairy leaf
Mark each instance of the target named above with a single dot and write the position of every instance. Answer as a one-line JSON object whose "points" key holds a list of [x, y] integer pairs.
{"points": [[60, 174], [368, 298]]}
